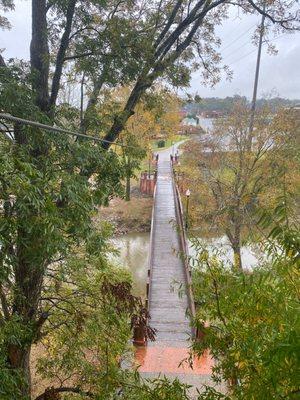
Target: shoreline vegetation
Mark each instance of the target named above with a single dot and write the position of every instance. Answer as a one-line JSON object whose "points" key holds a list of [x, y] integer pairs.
{"points": [[132, 216]]}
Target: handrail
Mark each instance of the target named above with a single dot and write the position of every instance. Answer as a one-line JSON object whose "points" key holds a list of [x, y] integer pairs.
{"points": [[139, 335], [184, 246], [151, 246]]}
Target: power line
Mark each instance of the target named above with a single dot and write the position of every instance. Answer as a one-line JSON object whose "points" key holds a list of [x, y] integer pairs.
{"points": [[55, 129], [238, 48], [254, 50], [236, 39], [241, 58]]}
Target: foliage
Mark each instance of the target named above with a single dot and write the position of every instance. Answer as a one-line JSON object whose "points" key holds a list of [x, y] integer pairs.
{"points": [[158, 389], [240, 172], [88, 330], [47, 203], [5, 5], [50, 184], [253, 322]]}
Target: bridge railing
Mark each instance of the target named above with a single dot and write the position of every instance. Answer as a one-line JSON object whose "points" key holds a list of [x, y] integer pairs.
{"points": [[139, 334], [184, 246]]}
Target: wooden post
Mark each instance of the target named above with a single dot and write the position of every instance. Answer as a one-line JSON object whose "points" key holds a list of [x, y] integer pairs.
{"points": [[139, 337]]}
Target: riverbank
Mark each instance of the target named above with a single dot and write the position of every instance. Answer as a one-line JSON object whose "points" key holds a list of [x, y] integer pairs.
{"points": [[132, 216]]}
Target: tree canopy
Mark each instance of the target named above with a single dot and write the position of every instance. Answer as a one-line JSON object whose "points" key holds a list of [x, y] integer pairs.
{"points": [[51, 184]]}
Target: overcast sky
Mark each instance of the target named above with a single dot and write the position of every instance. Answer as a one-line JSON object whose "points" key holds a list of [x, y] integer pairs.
{"points": [[279, 74]]}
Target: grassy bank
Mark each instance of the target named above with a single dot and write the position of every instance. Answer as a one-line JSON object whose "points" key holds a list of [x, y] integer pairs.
{"points": [[168, 142]]}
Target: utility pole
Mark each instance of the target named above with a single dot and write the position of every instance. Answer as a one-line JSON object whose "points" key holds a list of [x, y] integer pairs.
{"points": [[253, 104]]}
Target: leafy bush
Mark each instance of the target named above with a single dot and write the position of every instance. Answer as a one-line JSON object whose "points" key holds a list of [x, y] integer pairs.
{"points": [[161, 143], [251, 323]]}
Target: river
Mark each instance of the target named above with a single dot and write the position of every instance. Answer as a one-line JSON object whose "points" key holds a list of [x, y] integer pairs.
{"points": [[206, 123], [134, 250], [134, 247]]}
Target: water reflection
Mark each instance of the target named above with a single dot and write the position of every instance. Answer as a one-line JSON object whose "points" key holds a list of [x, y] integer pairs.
{"points": [[251, 255], [134, 250], [133, 254]]}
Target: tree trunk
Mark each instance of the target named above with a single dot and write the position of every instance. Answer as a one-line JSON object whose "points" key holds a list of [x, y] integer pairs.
{"points": [[61, 53], [127, 192], [237, 258], [237, 239], [142, 84], [18, 358], [39, 54]]}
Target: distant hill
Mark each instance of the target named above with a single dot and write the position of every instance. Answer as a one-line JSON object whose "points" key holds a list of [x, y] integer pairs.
{"points": [[226, 104]]}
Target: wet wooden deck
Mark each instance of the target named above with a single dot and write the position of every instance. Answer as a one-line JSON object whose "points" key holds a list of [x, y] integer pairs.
{"points": [[168, 311]]}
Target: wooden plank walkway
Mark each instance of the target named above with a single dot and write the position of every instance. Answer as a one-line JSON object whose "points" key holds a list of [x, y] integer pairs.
{"points": [[168, 311]]}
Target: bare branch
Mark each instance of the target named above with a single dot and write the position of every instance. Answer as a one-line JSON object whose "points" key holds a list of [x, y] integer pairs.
{"points": [[169, 23], [281, 22]]}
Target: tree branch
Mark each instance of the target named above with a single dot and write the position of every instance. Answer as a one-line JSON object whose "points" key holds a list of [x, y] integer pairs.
{"points": [[169, 23], [77, 56], [168, 43], [62, 52], [274, 20]]}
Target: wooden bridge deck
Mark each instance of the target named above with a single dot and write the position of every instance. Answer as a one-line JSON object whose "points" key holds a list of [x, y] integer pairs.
{"points": [[167, 309]]}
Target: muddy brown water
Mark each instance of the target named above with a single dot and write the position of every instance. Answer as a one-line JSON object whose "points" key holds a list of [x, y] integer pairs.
{"points": [[134, 251]]}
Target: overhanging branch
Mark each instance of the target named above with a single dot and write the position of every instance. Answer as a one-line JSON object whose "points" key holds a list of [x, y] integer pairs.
{"points": [[281, 22]]}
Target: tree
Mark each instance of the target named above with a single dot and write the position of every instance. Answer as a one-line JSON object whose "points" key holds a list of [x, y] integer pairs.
{"points": [[236, 180], [51, 184], [253, 323], [187, 32]]}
